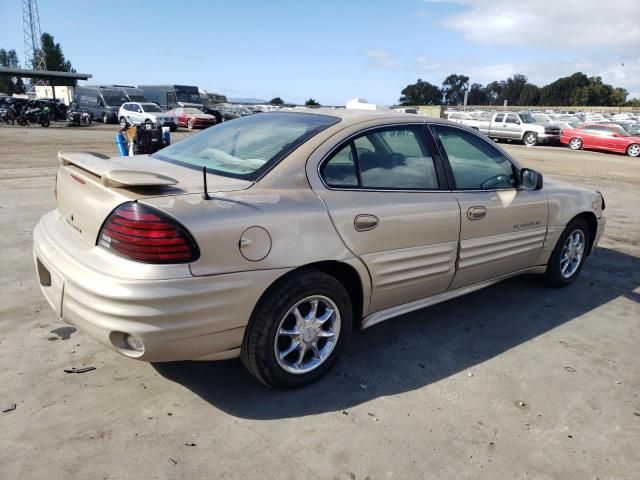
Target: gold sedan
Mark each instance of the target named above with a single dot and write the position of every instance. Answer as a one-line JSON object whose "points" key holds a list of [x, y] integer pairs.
{"points": [[272, 236]]}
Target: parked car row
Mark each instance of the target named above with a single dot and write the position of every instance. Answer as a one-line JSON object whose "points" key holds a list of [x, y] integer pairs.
{"points": [[615, 133]]}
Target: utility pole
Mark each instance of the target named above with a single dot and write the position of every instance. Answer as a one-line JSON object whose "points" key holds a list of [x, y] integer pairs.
{"points": [[33, 55]]}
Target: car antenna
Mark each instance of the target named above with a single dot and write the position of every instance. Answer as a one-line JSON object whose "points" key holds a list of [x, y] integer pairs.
{"points": [[205, 195]]}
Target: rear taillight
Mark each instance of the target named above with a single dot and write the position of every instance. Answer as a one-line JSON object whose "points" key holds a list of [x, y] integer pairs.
{"points": [[143, 234]]}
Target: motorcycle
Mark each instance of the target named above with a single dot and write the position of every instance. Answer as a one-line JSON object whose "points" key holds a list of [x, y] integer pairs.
{"points": [[8, 115], [34, 115], [76, 118]]}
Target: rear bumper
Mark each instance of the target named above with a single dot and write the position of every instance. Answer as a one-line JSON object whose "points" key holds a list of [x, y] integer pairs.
{"points": [[185, 318]]}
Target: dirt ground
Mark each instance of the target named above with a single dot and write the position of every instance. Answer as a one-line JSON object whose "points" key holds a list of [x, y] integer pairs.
{"points": [[513, 382]]}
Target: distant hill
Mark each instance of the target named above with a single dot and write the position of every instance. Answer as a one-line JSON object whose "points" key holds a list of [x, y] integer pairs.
{"points": [[246, 100]]}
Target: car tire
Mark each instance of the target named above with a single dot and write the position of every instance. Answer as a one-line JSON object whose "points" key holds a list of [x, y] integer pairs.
{"points": [[45, 122], [190, 124], [563, 266], [123, 122], [105, 118], [575, 143], [173, 129], [274, 330], [633, 150], [530, 139]]}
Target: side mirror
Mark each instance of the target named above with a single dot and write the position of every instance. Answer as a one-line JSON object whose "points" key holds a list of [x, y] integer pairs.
{"points": [[615, 135], [530, 179], [518, 122]]}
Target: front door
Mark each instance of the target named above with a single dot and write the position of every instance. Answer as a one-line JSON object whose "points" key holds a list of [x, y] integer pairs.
{"points": [[389, 204], [503, 227]]}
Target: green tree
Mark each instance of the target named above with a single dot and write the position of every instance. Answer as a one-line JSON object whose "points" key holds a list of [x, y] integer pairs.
{"points": [[420, 93], [10, 85], [564, 91], [529, 95], [619, 97], [311, 103], [512, 89], [493, 92], [453, 88], [276, 101], [477, 95], [54, 58]]}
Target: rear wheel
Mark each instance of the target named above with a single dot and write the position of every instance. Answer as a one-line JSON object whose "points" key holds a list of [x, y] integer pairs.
{"points": [[45, 122], [105, 118], [530, 139], [633, 150], [123, 122], [569, 254], [298, 331], [575, 144]]}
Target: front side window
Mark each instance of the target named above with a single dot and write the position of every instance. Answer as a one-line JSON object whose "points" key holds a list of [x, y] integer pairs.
{"points": [[248, 146], [390, 159], [476, 164], [511, 118]]}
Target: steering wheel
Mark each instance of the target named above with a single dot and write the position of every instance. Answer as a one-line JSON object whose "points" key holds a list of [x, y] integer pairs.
{"points": [[500, 180]]}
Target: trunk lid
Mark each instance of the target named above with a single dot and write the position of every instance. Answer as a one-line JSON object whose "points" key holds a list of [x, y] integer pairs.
{"points": [[89, 186]]}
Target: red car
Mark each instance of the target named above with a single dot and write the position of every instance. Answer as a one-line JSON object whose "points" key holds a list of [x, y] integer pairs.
{"points": [[612, 138], [192, 118]]}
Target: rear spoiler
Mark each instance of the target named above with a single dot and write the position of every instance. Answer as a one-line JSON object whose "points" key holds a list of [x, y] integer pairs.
{"points": [[112, 174]]}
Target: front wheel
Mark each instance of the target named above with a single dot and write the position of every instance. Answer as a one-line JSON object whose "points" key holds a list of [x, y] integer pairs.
{"points": [[298, 331], [190, 124], [575, 144], [123, 122], [569, 254], [633, 150], [105, 119], [530, 139]]}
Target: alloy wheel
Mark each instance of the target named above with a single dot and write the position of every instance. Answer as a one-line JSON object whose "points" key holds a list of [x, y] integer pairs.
{"points": [[575, 144], [633, 150], [307, 334], [572, 253]]}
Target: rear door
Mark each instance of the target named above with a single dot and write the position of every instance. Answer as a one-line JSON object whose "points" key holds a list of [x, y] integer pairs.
{"points": [[387, 196], [497, 125], [503, 227]]}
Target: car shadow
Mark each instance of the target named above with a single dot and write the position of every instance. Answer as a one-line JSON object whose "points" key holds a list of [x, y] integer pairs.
{"points": [[420, 348]]}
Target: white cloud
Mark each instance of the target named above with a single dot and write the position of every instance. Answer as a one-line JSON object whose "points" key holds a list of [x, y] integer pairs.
{"points": [[574, 24], [381, 59]]}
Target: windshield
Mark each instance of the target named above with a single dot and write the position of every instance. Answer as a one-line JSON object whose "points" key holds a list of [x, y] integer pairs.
{"points": [[621, 131], [150, 107], [633, 129], [246, 147], [188, 97], [527, 118], [114, 99]]}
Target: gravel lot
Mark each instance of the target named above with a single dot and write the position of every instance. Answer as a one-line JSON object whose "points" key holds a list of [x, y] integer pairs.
{"points": [[513, 382]]}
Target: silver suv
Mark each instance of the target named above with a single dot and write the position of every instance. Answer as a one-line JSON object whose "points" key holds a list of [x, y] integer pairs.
{"points": [[132, 113]]}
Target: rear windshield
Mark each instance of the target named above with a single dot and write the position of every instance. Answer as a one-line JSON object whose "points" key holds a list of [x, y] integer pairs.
{"points": [[248, 146]]}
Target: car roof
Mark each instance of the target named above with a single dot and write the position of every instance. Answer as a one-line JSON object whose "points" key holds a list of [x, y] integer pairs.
{"points": [[352, 116]]}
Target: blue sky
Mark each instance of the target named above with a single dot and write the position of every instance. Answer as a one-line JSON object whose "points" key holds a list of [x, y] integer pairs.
{"points": [[336, 50]]}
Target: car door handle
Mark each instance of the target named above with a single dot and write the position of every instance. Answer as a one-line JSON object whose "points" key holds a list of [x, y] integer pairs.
{"points": [[365, 222], [476, 213]]}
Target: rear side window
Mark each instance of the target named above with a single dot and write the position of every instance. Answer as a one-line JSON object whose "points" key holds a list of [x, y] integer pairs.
{"points": [[394, 158], [499, 118], [340, 170]]}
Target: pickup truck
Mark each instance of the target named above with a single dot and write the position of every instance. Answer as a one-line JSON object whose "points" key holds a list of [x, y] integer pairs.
{"points": [[521, 127]]}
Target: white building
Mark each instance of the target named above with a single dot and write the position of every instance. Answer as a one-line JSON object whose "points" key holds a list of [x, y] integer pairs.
{"points": [[362, 104]]}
